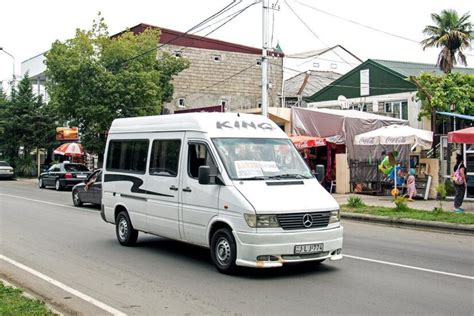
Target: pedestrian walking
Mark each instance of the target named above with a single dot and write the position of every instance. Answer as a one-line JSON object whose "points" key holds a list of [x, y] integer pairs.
{"points": [[411, 186], [459, 180]]}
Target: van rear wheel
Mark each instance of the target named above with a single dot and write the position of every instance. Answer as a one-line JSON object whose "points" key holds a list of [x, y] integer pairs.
{"points": [[224, 251], [126, 234]]}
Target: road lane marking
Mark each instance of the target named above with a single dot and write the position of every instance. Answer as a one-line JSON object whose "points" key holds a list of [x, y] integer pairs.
{"points": [[462, 276], [64, 287], [50, 203]]}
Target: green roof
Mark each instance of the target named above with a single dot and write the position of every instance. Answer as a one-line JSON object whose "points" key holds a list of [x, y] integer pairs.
{"points": [[386, 77], [415, 69]]}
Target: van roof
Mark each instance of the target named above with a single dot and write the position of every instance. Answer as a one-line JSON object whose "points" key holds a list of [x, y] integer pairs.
{"points": [[214, 124]]}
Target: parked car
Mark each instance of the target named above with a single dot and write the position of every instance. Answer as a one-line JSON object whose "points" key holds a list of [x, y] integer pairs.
{"points": [[63, 175], [89, 191], [6, 171]]}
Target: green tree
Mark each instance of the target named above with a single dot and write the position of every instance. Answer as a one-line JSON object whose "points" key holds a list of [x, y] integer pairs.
{"points": [[95, 78], [452, 34], [449, 93], [26, 124]]}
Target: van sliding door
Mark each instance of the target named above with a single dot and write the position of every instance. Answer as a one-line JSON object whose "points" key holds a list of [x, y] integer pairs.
{"points": [[163, 185]]}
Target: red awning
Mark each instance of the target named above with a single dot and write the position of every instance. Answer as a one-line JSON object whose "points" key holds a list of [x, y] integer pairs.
{"points": [[302, 142], [464, 136]]}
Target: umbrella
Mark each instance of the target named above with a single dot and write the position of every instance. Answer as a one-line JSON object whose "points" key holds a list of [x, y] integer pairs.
{"points": [[70, 149], [396, 135], [465, 136], [302, 142]]}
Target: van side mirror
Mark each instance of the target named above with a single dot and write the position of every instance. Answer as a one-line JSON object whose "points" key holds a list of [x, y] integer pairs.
{"points": [[204, 174], [320, 173]]}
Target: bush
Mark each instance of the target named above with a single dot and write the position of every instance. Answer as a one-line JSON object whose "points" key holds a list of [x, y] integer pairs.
{"points": [[401, 204], [441, 189], [448, 184], [355, 202], [25, 167]]}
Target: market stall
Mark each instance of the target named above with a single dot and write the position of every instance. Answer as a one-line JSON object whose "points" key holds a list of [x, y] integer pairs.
{"points": [[397, 135], [339, 128]]}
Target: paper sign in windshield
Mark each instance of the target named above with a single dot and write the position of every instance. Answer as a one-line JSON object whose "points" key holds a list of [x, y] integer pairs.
{"points": [[252, 168], [269, 166], [248, 169]]}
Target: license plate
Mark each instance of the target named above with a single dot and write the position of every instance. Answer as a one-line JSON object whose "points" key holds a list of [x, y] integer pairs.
{"points": [[81, 176], [308, 249]]}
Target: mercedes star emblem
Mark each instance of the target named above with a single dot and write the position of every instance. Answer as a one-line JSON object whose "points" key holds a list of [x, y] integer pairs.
{"points": [[307, 220]]}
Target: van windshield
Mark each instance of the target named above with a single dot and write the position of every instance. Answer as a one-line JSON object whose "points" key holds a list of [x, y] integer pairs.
{"points": [[261, 158]]}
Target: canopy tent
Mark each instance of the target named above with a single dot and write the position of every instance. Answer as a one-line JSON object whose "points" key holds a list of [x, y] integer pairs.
{"points": [[341, 126], [396, 135], [70, 149], [302, 142], [464, 136]]}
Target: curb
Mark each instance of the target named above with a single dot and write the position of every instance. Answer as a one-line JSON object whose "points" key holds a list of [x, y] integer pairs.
{"points": [[457, 228]]}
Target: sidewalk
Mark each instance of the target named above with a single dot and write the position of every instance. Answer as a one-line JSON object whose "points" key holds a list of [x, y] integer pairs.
{"points": [[428, 205], [386, 201]]}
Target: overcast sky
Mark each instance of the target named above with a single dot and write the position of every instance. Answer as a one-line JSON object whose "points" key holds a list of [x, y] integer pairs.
{"points": [[28, 28]]}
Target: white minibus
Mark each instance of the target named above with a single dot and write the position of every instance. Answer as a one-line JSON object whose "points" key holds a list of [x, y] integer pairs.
{"points": [[231, 182]]}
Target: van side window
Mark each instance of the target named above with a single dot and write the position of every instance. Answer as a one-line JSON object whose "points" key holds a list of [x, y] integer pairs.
{"points": [[199, 155], [164, 159], [127, 155]]}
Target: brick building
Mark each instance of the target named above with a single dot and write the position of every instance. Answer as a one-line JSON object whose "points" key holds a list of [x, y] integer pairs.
{"points": [[220, 73]]}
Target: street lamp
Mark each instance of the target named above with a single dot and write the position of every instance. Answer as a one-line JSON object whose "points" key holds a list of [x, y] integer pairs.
{"points": [[13, 57]]}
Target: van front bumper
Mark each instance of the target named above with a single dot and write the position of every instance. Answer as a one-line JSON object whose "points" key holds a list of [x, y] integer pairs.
{"points": [[276, 249]]}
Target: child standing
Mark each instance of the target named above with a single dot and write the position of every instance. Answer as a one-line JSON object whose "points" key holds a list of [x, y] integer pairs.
{"points": [[411, 188]]}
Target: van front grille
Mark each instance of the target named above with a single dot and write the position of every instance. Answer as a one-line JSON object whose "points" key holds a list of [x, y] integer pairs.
{"points": [[303, 220]]}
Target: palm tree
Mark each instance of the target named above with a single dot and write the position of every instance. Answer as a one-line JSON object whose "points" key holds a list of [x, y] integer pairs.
{"points": [[453, 34]]}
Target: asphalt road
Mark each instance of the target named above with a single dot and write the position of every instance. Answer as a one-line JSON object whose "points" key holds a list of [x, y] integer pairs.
{"points": [[386, 270]]}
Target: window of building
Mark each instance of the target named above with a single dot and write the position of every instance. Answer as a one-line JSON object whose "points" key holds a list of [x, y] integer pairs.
{"points": [[259, 105], [181, 102], [127, 155], [178, 53], [224, 102], [398, 108], [216, 58], [316, 65], [199, 155], [164, 160], [259, 62]]}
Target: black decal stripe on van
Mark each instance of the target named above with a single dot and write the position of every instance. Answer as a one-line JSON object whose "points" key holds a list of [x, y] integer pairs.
{"points": [[134, 197], [285, 183], [137, 183]]}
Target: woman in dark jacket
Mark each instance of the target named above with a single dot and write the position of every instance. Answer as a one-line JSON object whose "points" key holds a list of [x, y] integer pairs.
{"points": [[460, 187]]}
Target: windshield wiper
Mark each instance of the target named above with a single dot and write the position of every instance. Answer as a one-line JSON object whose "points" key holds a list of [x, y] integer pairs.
{"points": [[252, 178], [289, 176]]}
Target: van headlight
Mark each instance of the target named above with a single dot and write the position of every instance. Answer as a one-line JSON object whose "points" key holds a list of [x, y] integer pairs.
{"points": [[334, 217], [261, 220]]}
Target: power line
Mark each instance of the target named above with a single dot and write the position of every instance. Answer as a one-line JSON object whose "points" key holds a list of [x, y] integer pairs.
{"points": [[357, 23], [210, 18], [229, 17], [312, 32], [362, 25]]}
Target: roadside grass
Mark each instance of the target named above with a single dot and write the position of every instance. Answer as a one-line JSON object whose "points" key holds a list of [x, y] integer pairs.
{"points": [[438, 216], [12, 302]]}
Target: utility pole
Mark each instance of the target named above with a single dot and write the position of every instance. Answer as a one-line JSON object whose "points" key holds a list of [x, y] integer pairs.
{"points": [[265, 44]]}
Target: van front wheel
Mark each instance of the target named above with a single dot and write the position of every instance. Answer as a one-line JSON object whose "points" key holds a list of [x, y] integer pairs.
{"points": [[126, 234], [224, 251]]}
